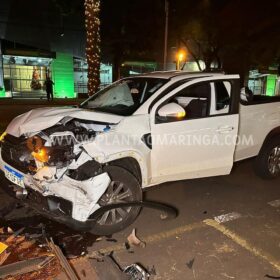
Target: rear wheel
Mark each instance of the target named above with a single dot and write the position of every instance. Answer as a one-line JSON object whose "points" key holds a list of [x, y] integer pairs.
{"points": [[124, 187], [267, 163]]}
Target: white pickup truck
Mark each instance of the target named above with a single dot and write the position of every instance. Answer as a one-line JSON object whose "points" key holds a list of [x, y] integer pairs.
{"points": [[140, 131]]}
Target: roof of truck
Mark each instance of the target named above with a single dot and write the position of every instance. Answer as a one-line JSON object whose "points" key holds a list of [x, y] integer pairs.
{"points": [[182, 74]]}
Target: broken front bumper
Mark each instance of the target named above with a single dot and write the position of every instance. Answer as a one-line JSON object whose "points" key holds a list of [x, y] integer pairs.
{"points": [[52, 207], [63, 199]]}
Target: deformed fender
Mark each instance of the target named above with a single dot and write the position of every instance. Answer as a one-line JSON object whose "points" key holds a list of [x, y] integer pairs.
{"points": [[124, 141], [102, 155]]}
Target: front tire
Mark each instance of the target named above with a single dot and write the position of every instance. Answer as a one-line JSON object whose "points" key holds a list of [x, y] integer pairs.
{"points": [[124, 187], [267, 163]]}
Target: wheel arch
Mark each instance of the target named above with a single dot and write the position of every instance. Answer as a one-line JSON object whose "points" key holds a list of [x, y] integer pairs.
{"points": [[131, 165], [273, 133]]}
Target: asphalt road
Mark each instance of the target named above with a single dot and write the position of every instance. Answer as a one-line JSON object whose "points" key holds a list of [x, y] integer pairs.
{"points": [[195, 246]]}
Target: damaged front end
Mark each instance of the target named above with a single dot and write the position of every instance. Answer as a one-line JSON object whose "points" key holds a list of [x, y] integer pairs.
{"points": [[54, 173]]}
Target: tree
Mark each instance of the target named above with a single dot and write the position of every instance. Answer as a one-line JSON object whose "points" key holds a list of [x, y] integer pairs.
{"points": [[92, 25], [237, 35], [199, 33]]}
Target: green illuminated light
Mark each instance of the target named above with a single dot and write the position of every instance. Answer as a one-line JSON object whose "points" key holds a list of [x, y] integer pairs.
{"points": [[63, 76], [270, 85], [2, 93]]}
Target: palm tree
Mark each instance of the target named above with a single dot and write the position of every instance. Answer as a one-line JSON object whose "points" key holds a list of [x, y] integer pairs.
{"points": [[92, 25]]}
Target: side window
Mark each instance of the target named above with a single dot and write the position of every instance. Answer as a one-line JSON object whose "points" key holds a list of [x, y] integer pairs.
{"points": [[194, 99], [221, 100]]}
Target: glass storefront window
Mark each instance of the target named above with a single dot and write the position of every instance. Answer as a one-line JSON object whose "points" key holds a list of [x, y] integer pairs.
{"points": [[25, 76]]}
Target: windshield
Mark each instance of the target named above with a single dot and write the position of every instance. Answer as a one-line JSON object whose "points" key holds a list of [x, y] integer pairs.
{"points": [[124, 97]]}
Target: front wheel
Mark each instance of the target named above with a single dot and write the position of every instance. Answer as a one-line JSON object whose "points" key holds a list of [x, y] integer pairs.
{"points": [[124, 187], [267, 163]]}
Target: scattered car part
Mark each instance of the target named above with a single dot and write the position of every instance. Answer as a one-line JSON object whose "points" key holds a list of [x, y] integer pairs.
{"points": [[3, 247], [107, 268], [136, 272]]}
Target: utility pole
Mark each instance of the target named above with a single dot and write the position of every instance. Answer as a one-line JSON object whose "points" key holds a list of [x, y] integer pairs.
{"points": [[166, 34]]}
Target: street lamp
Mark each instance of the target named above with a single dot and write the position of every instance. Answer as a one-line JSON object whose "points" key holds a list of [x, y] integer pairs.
{"points": [[180, 57]]}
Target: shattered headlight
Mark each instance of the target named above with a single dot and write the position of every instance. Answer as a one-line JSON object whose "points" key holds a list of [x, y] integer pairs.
{"points": [[41, 155], [38, 151], [60, 154]]}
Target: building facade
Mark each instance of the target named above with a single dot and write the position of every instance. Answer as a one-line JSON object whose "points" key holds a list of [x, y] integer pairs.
{"points": [[24, 70]]}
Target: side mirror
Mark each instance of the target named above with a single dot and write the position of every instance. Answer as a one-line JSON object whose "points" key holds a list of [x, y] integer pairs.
{"points": [[172, 110]]}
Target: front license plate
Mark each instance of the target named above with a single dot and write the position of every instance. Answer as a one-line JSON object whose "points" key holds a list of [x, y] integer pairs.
{"points": [[14, 176]]}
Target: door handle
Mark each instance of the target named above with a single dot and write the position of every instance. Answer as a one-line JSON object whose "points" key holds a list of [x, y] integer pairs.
{"points": [[225, 129]]}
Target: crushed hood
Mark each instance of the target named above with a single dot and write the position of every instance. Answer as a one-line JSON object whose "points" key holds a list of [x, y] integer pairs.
{"points": [[39, 119]]}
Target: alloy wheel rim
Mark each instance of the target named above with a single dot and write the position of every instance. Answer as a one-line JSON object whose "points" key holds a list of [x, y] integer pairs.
{"points": [[274, 161], [117, 192]]}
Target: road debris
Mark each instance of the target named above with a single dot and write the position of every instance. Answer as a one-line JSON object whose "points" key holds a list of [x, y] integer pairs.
{"points": [[137, 272], [23, 258], [190, 263], [133, 240], [227, 217], [27, 255], [3, 247], [23, 267], [107, 268]]}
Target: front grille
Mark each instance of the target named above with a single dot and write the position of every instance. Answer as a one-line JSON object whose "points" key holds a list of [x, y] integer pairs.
{"points": [[14, 151]]}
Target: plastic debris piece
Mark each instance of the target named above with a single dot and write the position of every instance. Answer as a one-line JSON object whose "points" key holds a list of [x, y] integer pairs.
{"points": [[227, 217], [10, 230], [190, 263], [163, 216], [3, 247], [133, 240], [98, 239]]}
